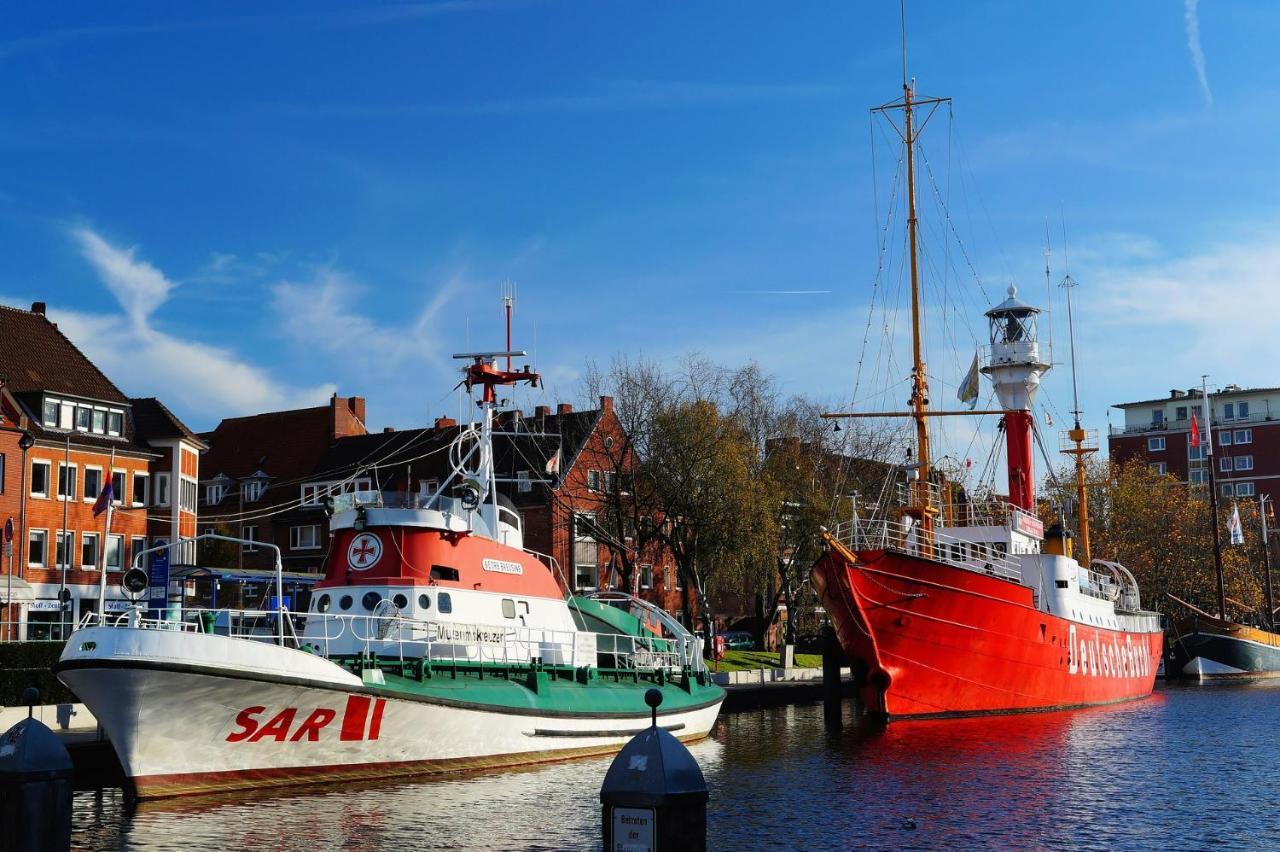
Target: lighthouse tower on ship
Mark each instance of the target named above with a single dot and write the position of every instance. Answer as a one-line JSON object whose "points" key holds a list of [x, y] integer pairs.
{"points": [[1015, 368]]}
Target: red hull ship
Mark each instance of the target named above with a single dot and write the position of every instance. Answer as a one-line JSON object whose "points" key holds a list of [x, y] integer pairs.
{"points": [[951, 604]]}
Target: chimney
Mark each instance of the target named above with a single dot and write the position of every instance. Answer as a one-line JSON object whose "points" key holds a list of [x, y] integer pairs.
{"points": [[542, 411], [564, 408], [606, 404], [355, 405], [386, 430], [38, 308], [445, 422], [1176, 394]]}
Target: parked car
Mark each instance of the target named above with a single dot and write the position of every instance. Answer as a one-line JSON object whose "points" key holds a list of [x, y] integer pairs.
{"points": [[739, 640]]}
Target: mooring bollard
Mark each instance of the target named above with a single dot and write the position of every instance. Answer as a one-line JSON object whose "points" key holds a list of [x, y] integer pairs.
{"points": [[35, 785], [654, 798]]}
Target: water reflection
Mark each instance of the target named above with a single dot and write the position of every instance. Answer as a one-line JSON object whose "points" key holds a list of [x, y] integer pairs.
{"points": [[1186, 769]]}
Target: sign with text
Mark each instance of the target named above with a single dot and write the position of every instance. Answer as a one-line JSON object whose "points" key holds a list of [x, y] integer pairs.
{"points": [[632, 830], [158, 584]]}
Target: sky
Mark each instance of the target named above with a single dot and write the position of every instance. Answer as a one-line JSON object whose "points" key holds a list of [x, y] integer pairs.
{"points": [[248, 207]]}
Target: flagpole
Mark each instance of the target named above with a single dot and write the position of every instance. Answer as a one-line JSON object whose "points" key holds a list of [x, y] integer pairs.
{"points": [[1213, 497], [106, 540]]}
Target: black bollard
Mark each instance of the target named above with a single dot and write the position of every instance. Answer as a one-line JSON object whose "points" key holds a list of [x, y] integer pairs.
{"points": [[35, 786], [654, 798], [832, 688]]}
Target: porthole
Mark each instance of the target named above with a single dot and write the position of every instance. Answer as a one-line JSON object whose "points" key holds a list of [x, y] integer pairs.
{"points": [[322, 603], [345, 602], [424, 600], [370, 600], [400, 601]]}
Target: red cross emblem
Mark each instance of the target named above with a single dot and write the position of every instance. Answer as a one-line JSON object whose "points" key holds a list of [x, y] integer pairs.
{"points": [[364, 551]]}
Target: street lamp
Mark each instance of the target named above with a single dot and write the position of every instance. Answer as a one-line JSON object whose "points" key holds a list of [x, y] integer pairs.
{"points": [[25, 442]]}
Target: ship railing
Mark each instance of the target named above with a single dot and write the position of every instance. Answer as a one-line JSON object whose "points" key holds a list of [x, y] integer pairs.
{"points": [[691, 645], [397, 500], [906, 537], [976, 510]]}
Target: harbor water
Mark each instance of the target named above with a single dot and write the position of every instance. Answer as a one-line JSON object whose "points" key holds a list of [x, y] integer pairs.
{"points": [[1189, 768]]}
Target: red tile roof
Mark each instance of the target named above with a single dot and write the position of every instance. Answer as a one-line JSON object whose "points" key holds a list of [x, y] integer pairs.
{"points": [[36, 356]]}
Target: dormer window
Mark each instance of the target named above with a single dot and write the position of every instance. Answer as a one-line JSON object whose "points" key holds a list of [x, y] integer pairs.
{"points": [[253, 489], [214, 493], [84, 418], [50, 412]]}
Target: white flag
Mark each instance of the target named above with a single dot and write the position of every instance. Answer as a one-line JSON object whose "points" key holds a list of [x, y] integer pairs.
{"points": [[968, 392], [1233, 525], [553, 463]]}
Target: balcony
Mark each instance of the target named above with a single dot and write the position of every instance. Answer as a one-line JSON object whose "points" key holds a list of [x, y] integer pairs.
{"points": [[1184, 425]]}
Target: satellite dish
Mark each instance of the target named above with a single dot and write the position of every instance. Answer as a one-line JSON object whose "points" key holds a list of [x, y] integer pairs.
{"points": [[134, 583]]}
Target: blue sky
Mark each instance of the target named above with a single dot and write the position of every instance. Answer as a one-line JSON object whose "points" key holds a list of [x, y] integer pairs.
{"points": [[241, 207]]}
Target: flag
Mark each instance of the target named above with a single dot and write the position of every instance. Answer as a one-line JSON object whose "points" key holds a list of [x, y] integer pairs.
{"points": [[969, 387], [553, 463], [103, 501], [1233, 525], [1195, 431]]}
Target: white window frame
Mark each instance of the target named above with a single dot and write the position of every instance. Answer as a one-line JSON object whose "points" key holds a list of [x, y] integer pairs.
{"points": [[48, 478], [1244, 462], [188, 494], [162, 490], [214, 492], [252, 489], [68, 549], [146, 488], [1224, 438], [295, 537], [578, 537], [115, 413], [119, 566], [86, 538], [1197, 477], [1226, 489], [313, 494], [1224, 464], [45, 419], [74, 468], [1195, 453], [1156, 444], [1159, 467], [428, 487], [1245, 489], [646, 576], [593, 480], [44, 539], [134, 549], [1244, 436], [84, 483], [250, 532]]}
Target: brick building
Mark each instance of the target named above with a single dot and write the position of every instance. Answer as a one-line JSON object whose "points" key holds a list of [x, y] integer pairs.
{"points": [[1246, 438], [83, 433]]}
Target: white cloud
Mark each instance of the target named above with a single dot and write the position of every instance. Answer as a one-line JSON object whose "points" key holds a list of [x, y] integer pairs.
{"points": [[1192, 17], [200, 381]]}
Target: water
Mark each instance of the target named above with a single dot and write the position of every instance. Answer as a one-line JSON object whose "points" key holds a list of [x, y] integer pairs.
{"points": [[1189, 768]]}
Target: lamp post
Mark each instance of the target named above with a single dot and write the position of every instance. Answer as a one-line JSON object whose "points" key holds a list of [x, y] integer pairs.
{"points": [[25, 442]]}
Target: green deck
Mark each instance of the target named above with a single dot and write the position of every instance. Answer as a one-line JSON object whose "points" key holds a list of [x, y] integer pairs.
{"points": [[557, 690]]}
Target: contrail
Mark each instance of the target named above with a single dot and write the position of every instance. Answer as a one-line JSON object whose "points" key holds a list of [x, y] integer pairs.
{"points": [[1193, 45]]}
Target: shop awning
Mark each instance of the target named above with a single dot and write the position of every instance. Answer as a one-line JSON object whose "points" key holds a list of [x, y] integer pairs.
{"points": [[20, 589], [253, 575]]}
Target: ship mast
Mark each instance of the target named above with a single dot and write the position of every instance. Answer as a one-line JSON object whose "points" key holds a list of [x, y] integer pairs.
{"points": [[1207, 440], [1078, 436], [919, 379]]}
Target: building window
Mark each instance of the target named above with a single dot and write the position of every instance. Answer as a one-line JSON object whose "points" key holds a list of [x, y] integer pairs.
{"points": [[1242, 409], [92, 483], [1226, 489], [1224, 438], [89, 551], [137, 544], [117, 486], [1244, 436], [1159, 467], [1228, 411], [1195, 453], [646, 576], [115, 552], [140, 482], [586, 551], [51, 412], [66, 481], [99, 420], [37, 546], [312, 494], [213, 494], [162, 489], [251, 533], [1157, 417], [1198, 477], [1244, 489], [305, 538], [252, 490], [1224, 463], [115, 422], [188, 489], [66, 544], [1180, 413], [40, 478], [1155, 445], [523, 483], [1244, 462], [84, 417]]}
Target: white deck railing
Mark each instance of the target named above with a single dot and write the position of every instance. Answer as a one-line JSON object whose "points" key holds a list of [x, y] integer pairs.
{"points": [[883, 534]]}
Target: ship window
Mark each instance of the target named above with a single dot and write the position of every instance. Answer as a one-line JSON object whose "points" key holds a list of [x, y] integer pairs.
{"points": [[442, 572], [424, 600], [445, 602], [370, 600], [508, 608], [322, 603], [400, 601], [1061, 584], [345, 602]]}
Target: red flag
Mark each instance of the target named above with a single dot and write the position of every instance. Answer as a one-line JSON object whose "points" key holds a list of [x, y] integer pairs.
{"points": [[1195, 431], [104, 500]]}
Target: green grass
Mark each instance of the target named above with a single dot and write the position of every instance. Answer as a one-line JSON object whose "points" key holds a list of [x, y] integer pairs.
{"points": [[737, 661]]}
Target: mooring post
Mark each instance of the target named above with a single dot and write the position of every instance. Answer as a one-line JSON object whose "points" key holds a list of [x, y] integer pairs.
{"points": [[35, 786], [832, 688]]}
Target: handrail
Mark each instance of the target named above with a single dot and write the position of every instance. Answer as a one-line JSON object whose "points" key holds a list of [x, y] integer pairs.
{"points": [[883, 534]]}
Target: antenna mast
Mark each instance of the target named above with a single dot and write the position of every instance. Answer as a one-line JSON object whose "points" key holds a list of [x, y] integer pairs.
{"points": [[508, 304], [1077, 435]]}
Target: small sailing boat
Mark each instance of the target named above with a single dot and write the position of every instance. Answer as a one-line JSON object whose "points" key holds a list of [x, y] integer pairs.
{"points": [[948, 605], [1215, 647]]}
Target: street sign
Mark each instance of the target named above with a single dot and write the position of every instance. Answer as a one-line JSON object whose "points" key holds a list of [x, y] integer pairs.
{"points": [[158, 584], [8, 531]]}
